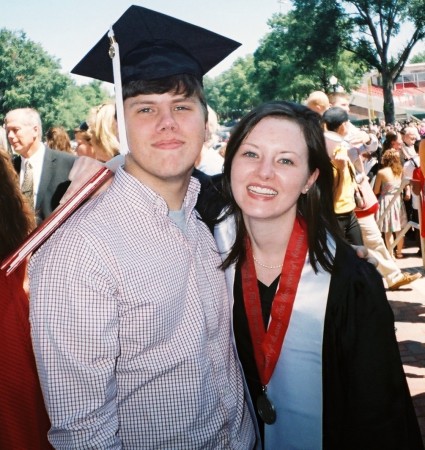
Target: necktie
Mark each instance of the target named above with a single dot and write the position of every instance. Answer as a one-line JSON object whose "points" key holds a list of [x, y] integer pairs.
{"points": [[28, 184]]}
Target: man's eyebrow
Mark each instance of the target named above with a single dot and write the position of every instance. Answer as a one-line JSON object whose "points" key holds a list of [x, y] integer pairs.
{"points": [[154, 102], [184, 98]]}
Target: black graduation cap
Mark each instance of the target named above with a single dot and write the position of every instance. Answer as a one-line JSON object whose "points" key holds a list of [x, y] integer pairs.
{"points": [[153, 45]]}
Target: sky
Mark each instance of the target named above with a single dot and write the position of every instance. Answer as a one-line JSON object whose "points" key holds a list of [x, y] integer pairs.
{"points": [[68, 29]]}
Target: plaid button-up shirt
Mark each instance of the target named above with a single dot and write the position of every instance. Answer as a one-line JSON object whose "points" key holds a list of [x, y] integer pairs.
{"points": [[131, 328]]}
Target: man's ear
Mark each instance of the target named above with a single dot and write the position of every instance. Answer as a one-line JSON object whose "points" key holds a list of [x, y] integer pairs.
{"points": [[343, 129], [36, 129]]}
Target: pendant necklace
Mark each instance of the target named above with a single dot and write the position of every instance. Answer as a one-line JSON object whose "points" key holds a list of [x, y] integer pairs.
{"points": [[267, 345]]}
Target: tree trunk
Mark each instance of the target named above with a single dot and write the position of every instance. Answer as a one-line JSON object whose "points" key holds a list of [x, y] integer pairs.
{"points": [[389, 110]]}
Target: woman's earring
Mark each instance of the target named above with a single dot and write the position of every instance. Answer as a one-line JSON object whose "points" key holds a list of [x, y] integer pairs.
{"points": [[306, 190]]}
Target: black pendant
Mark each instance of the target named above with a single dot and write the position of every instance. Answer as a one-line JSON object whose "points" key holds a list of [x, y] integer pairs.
{"points": [[266, 409]]}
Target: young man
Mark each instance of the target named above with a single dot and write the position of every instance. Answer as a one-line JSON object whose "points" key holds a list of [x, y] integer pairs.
{"points": [[129, 309], [355, 136]]}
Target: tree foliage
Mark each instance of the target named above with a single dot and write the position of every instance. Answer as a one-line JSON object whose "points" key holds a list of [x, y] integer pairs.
{"points": [[289, 63], [275, 72], [234, 92], [314, 34], [304, 48], [30, 77], [295, 59], [375, 24], [418, 58]]}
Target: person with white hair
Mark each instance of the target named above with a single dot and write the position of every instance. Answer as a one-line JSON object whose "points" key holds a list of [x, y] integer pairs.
{"points": [[409, 136], [318, 101], [43, 172]]}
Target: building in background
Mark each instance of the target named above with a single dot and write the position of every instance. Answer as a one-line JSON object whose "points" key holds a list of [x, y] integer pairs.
{"points": [[409, 95]]}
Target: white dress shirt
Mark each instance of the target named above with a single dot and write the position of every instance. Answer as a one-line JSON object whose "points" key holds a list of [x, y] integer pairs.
{"points": [[36, 161]]}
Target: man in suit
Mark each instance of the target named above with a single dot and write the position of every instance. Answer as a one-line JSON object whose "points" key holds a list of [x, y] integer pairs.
{"points": [[43, 172]]}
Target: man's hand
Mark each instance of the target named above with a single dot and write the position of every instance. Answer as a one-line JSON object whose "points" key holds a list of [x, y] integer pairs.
{"points": [[362, 252], [82, 170], [361, 138]]}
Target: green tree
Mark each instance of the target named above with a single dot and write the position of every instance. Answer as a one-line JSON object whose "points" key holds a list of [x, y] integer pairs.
{"points": [[233, 92], [418, 58], [30, 77], [292, 60], [367, 29], [315, 32], [275, 72], [76, 102], [375, 23]]}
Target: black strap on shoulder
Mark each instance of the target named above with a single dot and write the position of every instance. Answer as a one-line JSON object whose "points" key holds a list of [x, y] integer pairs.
{"points": [[210, 200]]}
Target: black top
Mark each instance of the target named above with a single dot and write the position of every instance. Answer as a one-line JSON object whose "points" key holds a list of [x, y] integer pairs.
{"points": [[210, 200], [243, 337]]}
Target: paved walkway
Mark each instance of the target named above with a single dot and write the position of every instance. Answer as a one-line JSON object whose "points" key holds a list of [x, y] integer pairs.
{"points": [[408, 304]]}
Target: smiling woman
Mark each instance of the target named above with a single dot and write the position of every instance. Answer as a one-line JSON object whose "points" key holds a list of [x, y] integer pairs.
{"points": [[269, 175], [307, 312]]}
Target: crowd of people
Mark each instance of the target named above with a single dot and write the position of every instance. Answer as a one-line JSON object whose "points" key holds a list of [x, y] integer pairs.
{"points": [[185, 309], [380, 218]]}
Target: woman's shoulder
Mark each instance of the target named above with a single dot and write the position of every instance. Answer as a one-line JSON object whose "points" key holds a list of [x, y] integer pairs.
{"points": [[388, 176], [385, 171]]}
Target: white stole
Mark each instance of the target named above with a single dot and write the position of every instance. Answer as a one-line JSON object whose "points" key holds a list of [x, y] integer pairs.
{"points": [[295, 388]]}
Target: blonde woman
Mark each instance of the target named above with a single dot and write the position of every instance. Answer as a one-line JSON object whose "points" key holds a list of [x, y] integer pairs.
{"points": [[103, 131]]}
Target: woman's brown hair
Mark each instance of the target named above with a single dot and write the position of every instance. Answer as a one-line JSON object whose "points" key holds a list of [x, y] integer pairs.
{"points": [[58, 139], [16, 215], [391, 159]]}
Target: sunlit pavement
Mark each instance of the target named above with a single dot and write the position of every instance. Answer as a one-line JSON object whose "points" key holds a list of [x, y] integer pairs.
{"points": [[408, 305]]}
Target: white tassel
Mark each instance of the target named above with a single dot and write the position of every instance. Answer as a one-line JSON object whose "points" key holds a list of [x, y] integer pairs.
{"points": [[114, 53]]}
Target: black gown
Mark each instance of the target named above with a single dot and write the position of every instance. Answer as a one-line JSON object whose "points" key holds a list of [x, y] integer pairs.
{"points": [[366, 400]]}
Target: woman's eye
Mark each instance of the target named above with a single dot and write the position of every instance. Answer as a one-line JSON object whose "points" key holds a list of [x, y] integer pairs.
{"points": [[286, 162], [249, 154], [145, 110]]}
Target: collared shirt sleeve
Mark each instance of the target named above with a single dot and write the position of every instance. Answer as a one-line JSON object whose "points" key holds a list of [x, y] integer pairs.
{"points": [[74, 322]]}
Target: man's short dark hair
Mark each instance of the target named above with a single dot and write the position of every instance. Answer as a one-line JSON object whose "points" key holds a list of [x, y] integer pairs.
{"points": [[334, 117]]}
